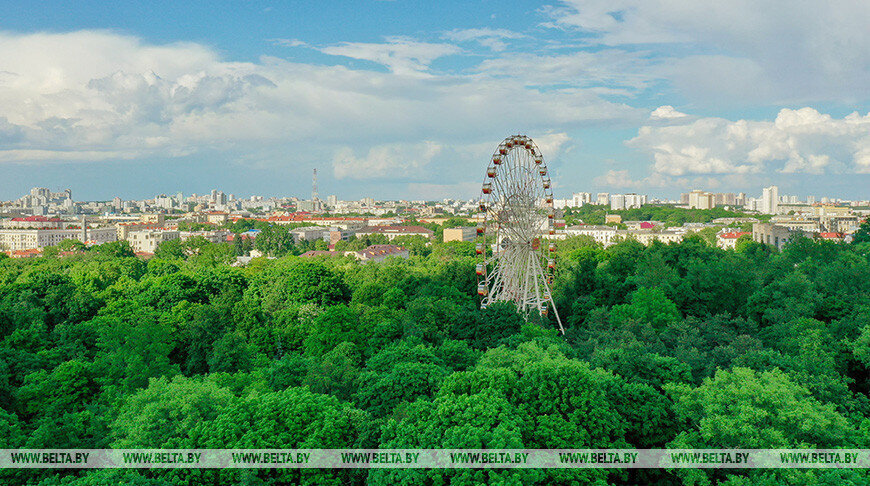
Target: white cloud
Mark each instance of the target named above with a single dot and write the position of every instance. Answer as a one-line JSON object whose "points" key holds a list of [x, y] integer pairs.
{"points": [[803, 140], [399, 55], [384, 161], [666, 112], [87, 96], [289, 42], [778, 50], [494, 39], [552, 145], [609, 67]]}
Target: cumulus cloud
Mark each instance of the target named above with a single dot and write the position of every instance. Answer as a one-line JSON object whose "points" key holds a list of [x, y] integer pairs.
{"points": [[797, 141], [87, 96], [398, 54], [552, 145], [666, 112], [383, 161], [780, 50]]}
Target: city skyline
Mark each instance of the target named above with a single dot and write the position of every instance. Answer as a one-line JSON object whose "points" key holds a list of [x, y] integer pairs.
{"points": [[408, 102], [763, 196]]}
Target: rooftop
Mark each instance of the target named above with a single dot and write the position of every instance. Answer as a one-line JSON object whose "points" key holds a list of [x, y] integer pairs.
{"points": [[733, 234]]}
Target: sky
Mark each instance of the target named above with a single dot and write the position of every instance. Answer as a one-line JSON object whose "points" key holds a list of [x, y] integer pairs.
{"points": [[403, 99]]}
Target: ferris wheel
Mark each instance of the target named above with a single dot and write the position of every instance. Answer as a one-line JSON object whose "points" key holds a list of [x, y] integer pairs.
{"points": [[517, 207]]}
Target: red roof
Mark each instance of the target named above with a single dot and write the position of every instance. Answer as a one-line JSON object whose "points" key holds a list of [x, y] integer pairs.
{"points": [[733, 234], [646, 225], [38, 219], [832, 236]]}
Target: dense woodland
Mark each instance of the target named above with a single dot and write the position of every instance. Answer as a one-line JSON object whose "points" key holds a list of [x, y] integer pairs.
{"points": [[681, 345]]}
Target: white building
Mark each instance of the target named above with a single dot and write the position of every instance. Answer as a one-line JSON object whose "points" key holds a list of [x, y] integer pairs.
{"points": [[699, 199], [25, 239], [617, 202], [769, 200], [578, 199], [601, 234], [633, 200], [728, 240], [148, 240], [309, 233]]}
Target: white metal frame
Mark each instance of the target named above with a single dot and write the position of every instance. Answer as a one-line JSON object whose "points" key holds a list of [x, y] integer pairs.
{"points": [[517, 202]]}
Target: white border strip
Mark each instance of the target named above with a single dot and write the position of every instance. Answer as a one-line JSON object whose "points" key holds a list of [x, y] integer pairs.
{"points": [[433, 458]]}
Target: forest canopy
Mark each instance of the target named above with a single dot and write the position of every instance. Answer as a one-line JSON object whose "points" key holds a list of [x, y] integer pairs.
{"points": [[668, 346]]}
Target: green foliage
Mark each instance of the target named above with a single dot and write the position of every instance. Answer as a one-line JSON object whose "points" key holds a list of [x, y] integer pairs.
{"points": [[115, 249], [670, 215], [863, 234], [677, 345], [647, 305]]}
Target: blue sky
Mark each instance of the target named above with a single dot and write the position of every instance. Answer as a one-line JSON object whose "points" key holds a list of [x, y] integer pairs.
{"points": [[398, 99]]}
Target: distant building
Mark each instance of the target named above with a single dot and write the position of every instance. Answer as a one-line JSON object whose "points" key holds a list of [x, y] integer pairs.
{"points": [[147, 241], [337, 234], [393, 231], [601, 234], [699, 199], [26, 239], [612, 218], [832, 236], [637, 225], [309, 233], [648, 236], [770, 200], [217, 217], [617, 202], [775, 235], [578, 199], [41, 222], [728, 241], [313, 206], [463, 233], [379, 253]]}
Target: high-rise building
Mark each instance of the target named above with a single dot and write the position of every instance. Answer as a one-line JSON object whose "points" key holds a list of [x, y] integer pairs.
{"points": [[602, 199], [770, 200], [633, 200], [578, 199], [699, 199], [617, 202]]}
